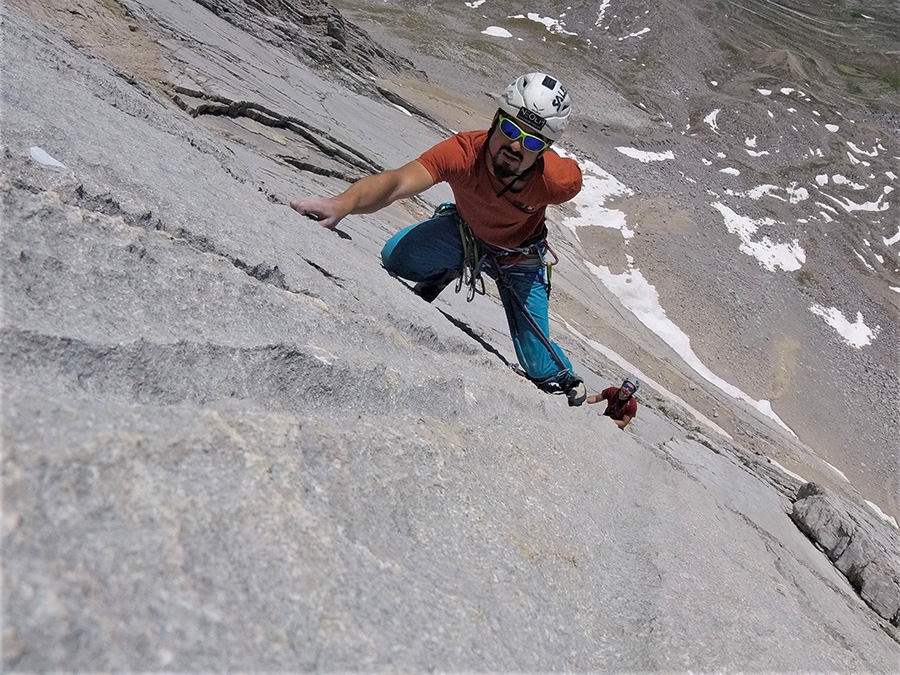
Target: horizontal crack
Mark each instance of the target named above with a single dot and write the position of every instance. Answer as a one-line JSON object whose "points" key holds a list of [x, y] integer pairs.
{"points": [[219, 105], [328, 275], [398, 100], [312, 168], [169, 373]]}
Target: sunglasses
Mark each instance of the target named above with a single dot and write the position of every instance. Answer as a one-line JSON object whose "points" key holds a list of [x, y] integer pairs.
{"points": [[628, 387], [513, 132]]}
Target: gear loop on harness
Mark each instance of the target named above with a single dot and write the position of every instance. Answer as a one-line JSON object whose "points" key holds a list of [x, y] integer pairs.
{"points": [[469, 273]]}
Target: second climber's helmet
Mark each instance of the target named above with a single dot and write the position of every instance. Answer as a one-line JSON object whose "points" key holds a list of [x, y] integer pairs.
{"points": [[540, 101], [633, 381]]}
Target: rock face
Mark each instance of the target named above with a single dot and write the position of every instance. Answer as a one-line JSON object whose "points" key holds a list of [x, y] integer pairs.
{"points": [[868, 556], [231, 442], [313, 30]]}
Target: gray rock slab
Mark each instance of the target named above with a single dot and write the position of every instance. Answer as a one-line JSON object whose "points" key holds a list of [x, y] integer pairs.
{"points": [[232, 442]]}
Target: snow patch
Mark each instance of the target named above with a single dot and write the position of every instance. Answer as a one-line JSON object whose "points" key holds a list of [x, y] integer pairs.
{"points": [[644, 156], [881, 514], [856, 334], [769, 254], [496, 31], [41, 156]]}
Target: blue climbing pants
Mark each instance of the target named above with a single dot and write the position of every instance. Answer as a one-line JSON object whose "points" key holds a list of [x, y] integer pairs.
{"points": [[429, 250]]}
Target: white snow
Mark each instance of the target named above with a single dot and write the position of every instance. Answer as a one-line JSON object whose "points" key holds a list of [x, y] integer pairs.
{"points": [[794, 193], [497, 31], [553, 25], [893, 240], [838, 179], [768, 253], [837, 471], [597, 187], [644, 156], [601, 11], [856, 334], [854, 160], [851, 206], [41, 156], [881, 514], [857, 150], [788, 471], [633, 35]]}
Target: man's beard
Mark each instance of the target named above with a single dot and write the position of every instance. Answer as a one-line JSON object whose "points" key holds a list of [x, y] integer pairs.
{"points": [[502, 171]]}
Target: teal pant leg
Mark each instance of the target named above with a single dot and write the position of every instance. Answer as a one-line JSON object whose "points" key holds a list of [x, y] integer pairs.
{"points": [[528, 285], [425, 251]]}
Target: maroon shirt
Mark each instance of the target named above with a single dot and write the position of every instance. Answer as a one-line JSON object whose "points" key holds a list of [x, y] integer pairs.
{"points": [[616, 408]]}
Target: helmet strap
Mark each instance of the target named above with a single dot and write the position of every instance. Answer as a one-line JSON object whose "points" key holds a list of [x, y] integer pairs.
{"points": [[517, 178]]}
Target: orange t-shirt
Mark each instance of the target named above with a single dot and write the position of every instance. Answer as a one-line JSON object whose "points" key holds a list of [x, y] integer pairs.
{"points": [[515, 217]]}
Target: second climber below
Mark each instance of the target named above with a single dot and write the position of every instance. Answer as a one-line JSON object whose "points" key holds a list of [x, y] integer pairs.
{"points": [[621, 405], [502, 180]]}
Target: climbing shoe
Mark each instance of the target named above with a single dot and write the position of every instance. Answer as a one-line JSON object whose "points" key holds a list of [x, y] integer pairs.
{"points": [[576, 394]]}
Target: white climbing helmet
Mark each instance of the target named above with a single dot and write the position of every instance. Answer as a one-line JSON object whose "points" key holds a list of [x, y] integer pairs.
{"points": [[540, 101]]}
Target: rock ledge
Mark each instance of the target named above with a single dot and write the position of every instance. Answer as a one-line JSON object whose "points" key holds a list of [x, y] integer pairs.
{"points": [[867, 554]]}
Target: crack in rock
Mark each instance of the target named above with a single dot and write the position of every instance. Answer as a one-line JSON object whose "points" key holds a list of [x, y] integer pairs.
{"points": [[869, 557], [324, 142], [318, 170], [328, 275]]}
